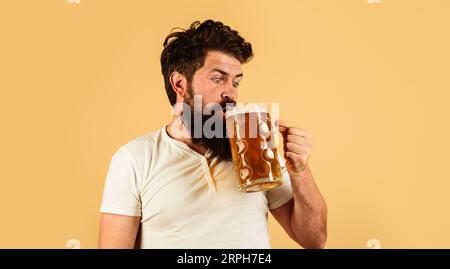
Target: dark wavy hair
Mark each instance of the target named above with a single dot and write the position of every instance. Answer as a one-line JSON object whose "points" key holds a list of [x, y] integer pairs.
{"points": [[185, 50]]}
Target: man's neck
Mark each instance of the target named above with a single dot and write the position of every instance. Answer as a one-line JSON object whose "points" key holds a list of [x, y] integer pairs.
{"points": [[176, 130]]}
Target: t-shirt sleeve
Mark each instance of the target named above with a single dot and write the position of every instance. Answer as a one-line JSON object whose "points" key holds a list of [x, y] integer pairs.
{"points": [[282, 194], [121, 193]]}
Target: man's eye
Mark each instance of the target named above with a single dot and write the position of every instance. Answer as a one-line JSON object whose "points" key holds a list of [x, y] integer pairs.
{"points": [[217, 80], [235, 84]]}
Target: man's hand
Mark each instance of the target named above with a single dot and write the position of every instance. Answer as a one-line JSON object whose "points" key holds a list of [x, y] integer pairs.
{"points": [[297, 148]]}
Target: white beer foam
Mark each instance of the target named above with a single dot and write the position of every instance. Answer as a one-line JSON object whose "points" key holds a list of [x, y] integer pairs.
{"points": [[246, 108]]}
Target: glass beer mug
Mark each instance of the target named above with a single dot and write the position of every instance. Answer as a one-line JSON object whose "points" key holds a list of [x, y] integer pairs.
{"points": [[253, 147]]}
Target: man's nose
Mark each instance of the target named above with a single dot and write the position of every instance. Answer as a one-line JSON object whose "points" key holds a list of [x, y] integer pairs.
{"points": [[229, 95], [228, 98]]}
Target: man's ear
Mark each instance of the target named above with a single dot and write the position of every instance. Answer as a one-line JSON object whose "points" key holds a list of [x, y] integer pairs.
{"points": [[179, 85]]}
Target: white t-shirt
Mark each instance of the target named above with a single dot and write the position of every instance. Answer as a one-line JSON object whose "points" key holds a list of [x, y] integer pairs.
{"points": [[181, 201]]}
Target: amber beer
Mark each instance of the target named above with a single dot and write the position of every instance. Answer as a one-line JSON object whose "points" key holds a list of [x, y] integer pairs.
{"points": [[253, 148]]}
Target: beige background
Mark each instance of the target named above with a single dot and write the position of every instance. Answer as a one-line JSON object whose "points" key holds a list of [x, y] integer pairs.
{"points": [[369, 81]]}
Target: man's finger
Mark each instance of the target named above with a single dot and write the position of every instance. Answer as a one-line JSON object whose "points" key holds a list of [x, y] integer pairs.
{"points": [[299, 132], [298, 139], [282, 126]]}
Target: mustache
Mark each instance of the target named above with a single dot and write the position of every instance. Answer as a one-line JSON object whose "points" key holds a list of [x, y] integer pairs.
{"points": [[228, 104], [224, 105]]}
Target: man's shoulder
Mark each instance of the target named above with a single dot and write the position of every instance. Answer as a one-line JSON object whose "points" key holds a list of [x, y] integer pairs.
{"points": [[142, 145]]}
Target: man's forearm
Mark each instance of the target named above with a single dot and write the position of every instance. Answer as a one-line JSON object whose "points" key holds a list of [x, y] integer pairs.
{"points": [[309, 213]]}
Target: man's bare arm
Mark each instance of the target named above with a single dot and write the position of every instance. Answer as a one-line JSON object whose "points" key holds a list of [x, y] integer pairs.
{"points": [[304, 218], [309, 212], [118, 231]]}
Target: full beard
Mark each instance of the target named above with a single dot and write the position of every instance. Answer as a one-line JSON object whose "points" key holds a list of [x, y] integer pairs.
{"points": [[219, 146]]}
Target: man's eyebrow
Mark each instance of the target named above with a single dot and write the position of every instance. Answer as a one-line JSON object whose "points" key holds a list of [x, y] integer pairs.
{"points": [[226, 73]]}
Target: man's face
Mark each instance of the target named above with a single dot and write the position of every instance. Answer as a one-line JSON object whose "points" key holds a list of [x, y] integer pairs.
{"points": [[216, 82]]}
